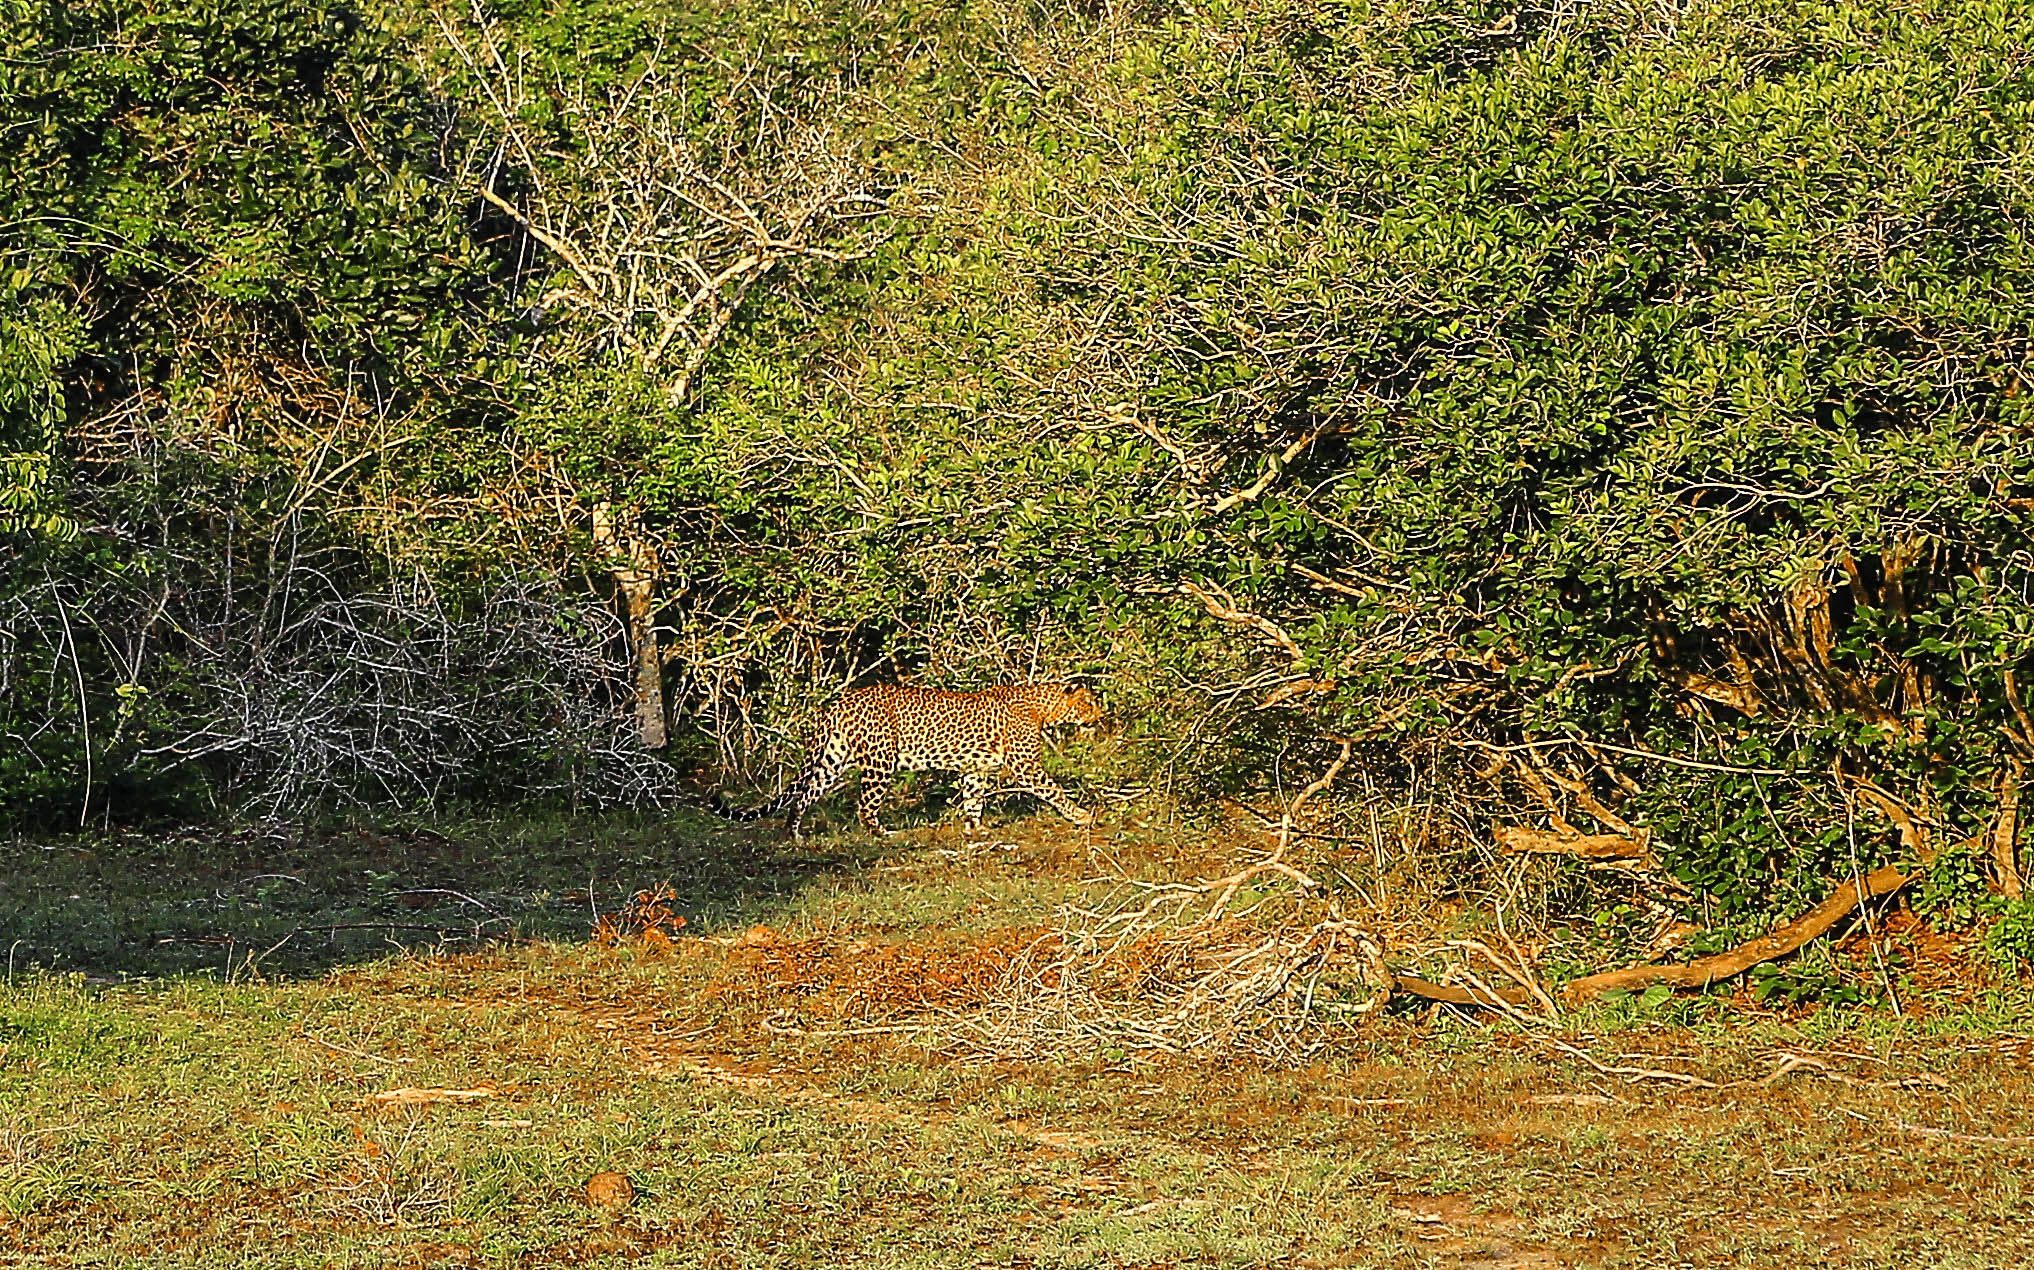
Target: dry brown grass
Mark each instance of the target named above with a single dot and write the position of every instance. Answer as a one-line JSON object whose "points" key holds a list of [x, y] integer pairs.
{"points": [[861, 981]]}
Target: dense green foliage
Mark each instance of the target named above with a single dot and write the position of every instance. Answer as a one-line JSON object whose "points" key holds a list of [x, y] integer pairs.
{"points": [[1622, 413], [1664, 387], [192, 186], [234, 271]]}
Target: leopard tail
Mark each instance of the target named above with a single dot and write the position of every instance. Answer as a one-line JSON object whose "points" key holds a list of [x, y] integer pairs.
{"points": [[726, 810]]}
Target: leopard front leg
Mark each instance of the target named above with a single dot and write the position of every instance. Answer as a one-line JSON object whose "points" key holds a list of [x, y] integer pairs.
{"points": [[1031, 778]]}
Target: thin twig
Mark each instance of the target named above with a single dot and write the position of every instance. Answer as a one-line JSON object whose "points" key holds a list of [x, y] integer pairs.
{"points": [[1631, 1073], [1984, 1139]]}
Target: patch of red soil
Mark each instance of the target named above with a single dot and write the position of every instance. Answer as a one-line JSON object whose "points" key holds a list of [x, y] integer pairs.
{"points": [[647, 921], [859, 979], [1452, 1227], [1936, 963]]}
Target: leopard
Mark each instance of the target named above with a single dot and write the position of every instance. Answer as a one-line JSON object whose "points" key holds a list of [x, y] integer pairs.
{"points": [[890, 728]]}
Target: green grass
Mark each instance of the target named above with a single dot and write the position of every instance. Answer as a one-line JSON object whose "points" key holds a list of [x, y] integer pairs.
{"points": [[246, 903], [157, 1109]]}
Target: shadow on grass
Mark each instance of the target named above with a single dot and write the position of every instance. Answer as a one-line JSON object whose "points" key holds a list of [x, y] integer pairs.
{"points": [[242, 902]]}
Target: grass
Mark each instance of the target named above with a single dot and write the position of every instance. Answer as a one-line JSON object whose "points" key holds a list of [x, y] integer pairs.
{"points": [[190, 1048]]}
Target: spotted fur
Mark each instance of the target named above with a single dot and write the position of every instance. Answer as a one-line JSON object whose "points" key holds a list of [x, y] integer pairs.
{"points": [[892, 728]]}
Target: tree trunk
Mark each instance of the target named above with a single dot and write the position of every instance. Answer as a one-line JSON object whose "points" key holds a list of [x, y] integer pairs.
{"points": [[633, 562], [2005, 833]]}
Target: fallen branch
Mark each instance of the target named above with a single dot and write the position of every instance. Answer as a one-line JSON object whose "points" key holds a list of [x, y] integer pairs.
{"points": [[1519, 840], [1789, 1063], [1788, 938], [416, 1097], [1451, 994], [1519, 972], [1631, 1073]]}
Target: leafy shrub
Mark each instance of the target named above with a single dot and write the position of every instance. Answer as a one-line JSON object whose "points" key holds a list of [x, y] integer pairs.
{"points": [[2011, 936], [1797, 985], [1636, 404]]}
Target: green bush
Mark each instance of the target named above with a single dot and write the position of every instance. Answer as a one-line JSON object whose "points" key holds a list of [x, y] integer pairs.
{"points": [[232, 278], [2011, 936], [1622, 416], [1651, 383], [1632, 406]]}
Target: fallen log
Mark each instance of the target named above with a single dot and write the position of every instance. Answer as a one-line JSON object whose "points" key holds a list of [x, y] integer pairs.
{"points": [[1707, 970]]}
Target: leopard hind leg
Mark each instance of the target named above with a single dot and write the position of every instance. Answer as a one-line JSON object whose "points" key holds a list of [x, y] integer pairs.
{"points": [[869, 801], [825, 768], [974, 795]]}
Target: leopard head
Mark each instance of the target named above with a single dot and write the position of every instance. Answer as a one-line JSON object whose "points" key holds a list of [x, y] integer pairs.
{"points": [[1078, 705]]}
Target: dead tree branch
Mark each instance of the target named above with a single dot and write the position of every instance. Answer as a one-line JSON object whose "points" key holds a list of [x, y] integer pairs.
{"points": [[1220, 603], [1778, 943]]}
